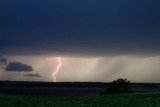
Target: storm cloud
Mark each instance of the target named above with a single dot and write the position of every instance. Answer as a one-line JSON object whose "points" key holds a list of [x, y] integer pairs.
{"points": [[98, 40], [3, 60], [18, 67], [86, 27], [32, 75]]}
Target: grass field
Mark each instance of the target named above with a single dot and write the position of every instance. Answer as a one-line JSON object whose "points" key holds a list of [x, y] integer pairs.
{"points": [[35, 96], [125, 100]]}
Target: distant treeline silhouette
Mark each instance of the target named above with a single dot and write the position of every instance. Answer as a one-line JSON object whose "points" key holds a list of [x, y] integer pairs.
{"points": [[68, 84], [51, 84]]}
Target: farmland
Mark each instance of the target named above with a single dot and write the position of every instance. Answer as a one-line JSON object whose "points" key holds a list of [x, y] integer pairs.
{"points": [[125, 100], [30, 94]]}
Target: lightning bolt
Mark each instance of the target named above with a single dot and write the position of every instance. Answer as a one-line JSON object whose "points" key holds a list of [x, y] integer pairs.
{"points": [[57, 69]]}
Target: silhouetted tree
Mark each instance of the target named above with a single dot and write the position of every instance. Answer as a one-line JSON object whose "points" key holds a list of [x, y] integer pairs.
{"points": [[118, 86]]}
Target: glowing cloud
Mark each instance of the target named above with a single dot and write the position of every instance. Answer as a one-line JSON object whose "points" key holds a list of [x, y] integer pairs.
{"points": [[57, 69]]}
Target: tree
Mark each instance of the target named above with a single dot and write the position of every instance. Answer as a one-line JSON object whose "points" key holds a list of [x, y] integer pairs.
{"points": [[118, 86]]}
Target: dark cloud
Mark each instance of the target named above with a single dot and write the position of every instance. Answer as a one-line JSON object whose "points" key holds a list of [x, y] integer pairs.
{"points": [[86, 27], [18, 67], [32, 75], [3, 60]]}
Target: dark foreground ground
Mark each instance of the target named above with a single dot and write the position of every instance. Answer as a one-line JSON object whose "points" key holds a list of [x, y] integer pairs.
{"points": [[31, 94], [123, 100], [67, 88], [51, 91], [51, 88]]}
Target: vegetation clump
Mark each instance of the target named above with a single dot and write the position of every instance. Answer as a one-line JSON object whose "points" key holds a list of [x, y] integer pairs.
{"points": [[118, 86]]}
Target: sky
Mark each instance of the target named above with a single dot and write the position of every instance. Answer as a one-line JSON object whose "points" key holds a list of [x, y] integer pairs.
{"points": [[97, 40]]}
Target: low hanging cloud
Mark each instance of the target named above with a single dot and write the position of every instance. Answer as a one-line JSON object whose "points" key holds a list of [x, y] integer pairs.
{"points": [[3, 60], [18, 67], [32, 75]]}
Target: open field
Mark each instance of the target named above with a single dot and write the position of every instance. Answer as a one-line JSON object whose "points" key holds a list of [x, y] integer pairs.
{"points": [[125, 100], [30, 94], [51, 89], [67, 88], [48, 91], [67, 91]]}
